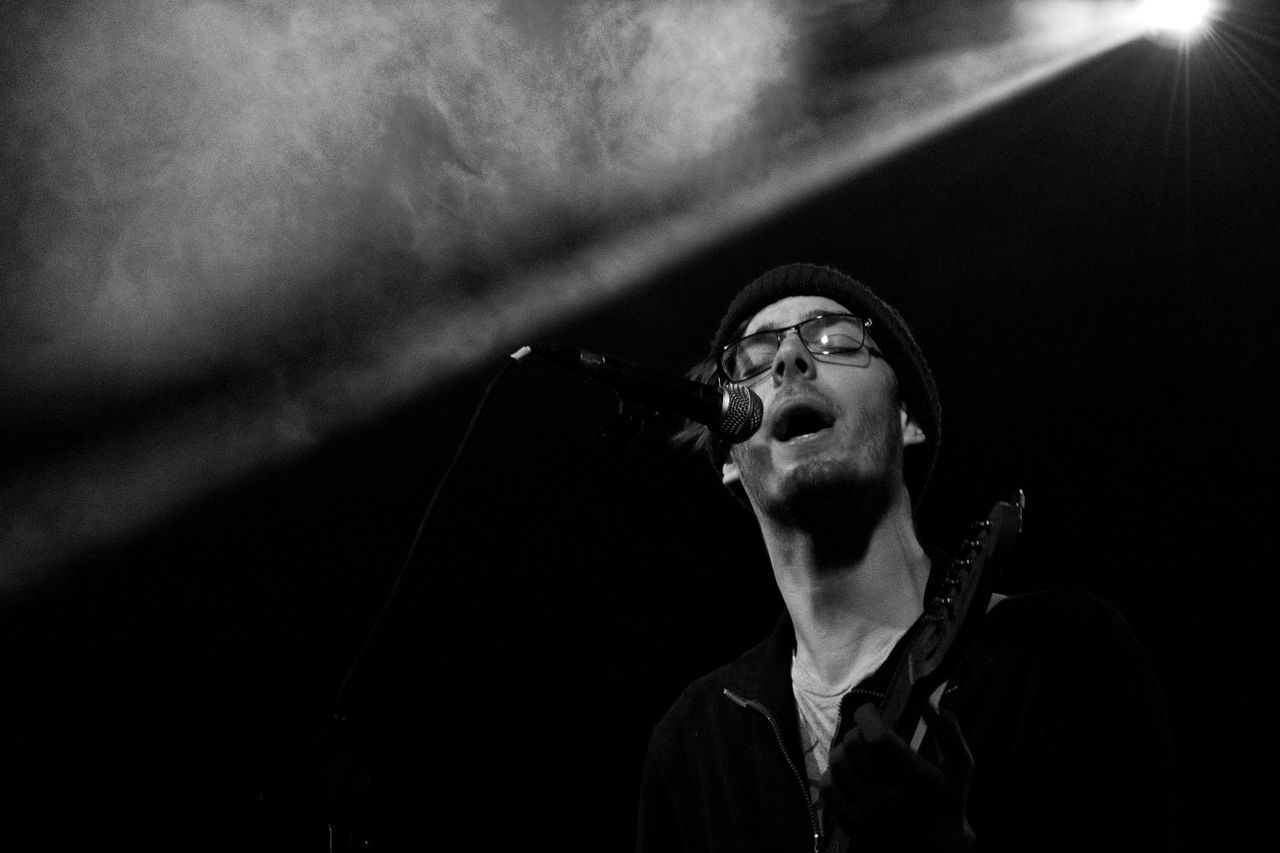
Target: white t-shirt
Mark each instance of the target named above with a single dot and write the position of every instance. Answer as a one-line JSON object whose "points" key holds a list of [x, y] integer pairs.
{"points": [[818, 707]]}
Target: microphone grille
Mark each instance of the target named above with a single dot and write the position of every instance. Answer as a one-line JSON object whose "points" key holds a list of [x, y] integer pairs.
{"points": [[742, 416]]}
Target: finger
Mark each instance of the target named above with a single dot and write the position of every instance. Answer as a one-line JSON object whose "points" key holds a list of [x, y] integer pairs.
{"points": [[954, 755], [842, 799], [870, 723], [851, 788], [890, 756], [836, 801], [850, 768]]}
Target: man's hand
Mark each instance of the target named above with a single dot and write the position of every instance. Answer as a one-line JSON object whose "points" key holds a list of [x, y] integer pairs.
{"points": [[887, 796]]}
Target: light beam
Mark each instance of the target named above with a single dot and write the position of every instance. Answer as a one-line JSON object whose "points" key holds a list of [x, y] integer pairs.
{"points": [[206, 183]]}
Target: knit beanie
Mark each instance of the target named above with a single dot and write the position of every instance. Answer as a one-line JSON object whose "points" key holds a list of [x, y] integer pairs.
{"points": [[915, 381]]}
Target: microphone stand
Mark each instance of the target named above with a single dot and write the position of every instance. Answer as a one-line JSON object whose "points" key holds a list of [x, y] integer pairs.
{"points": [[342, 786]]}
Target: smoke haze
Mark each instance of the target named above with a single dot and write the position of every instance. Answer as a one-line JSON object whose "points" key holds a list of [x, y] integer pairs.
{"points": [[311, 208], [197, 172]]}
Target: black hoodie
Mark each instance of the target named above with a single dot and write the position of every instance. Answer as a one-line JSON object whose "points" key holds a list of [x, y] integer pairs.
{"points": [[1057, 701]]}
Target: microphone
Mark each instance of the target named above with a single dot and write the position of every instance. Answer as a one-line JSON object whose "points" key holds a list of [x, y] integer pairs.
{"points": [[733, 412]]}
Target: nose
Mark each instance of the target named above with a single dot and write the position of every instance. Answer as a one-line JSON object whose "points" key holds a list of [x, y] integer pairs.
{"points": [[792, 358]]}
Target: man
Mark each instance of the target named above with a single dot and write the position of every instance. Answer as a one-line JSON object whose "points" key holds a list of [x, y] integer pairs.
{"points": [[1051, 734]]}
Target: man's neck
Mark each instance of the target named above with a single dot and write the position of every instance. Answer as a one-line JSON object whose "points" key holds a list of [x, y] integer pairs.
{"points": [[847, 605]]}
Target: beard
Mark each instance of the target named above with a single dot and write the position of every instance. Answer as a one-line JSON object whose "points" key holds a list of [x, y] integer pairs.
{"points": [[847, 489], [820, 487]]}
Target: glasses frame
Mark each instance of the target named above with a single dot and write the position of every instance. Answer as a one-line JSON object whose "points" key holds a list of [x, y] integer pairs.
{"points": [[781, 333]]}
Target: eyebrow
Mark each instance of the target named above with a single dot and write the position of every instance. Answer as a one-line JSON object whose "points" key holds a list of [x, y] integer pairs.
{"points": [[808, 315]]}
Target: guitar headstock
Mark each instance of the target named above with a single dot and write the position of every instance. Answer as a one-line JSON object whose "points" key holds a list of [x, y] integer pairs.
{"points": [[972, 572]]}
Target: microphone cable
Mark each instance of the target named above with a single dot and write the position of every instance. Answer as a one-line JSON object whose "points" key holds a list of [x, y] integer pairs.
{"points": [[336, 705]]}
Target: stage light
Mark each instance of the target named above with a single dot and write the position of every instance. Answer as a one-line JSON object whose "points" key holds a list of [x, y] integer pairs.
{"points": [[1178, 19]]}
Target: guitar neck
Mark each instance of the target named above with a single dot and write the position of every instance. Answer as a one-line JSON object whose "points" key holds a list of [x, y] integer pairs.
{"points": [[933, 646], [915, 678]]}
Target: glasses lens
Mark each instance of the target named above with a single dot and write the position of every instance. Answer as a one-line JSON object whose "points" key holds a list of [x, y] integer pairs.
{"points": [[826, 335], [832, 334], [749, 356]]}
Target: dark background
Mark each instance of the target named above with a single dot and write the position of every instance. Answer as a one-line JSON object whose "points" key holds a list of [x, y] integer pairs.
{"points": [[1097, 300]]}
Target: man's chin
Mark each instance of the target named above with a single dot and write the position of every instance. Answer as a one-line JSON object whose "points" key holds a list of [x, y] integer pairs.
{"points": [[812, 483], [811, 472]]}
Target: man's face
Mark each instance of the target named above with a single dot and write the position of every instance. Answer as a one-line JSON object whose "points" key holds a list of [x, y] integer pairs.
{"points": [[832, 429]]}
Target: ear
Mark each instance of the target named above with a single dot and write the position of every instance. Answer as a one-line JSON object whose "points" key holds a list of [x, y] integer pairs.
{"points": [[729, 473], [911, 431]]}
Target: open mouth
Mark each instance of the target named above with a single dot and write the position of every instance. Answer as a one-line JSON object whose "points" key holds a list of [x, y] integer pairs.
{"points": [[800, 420]]}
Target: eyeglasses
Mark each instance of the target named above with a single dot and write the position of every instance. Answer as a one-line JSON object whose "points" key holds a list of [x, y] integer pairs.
{"points": [[824, 334]]}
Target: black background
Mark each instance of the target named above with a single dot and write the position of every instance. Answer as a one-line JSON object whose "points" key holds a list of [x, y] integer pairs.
{"points": [[1091, 270]]}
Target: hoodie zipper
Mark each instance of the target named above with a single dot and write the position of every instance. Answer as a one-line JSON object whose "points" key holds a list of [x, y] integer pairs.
{"points": [[795, 772]]}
